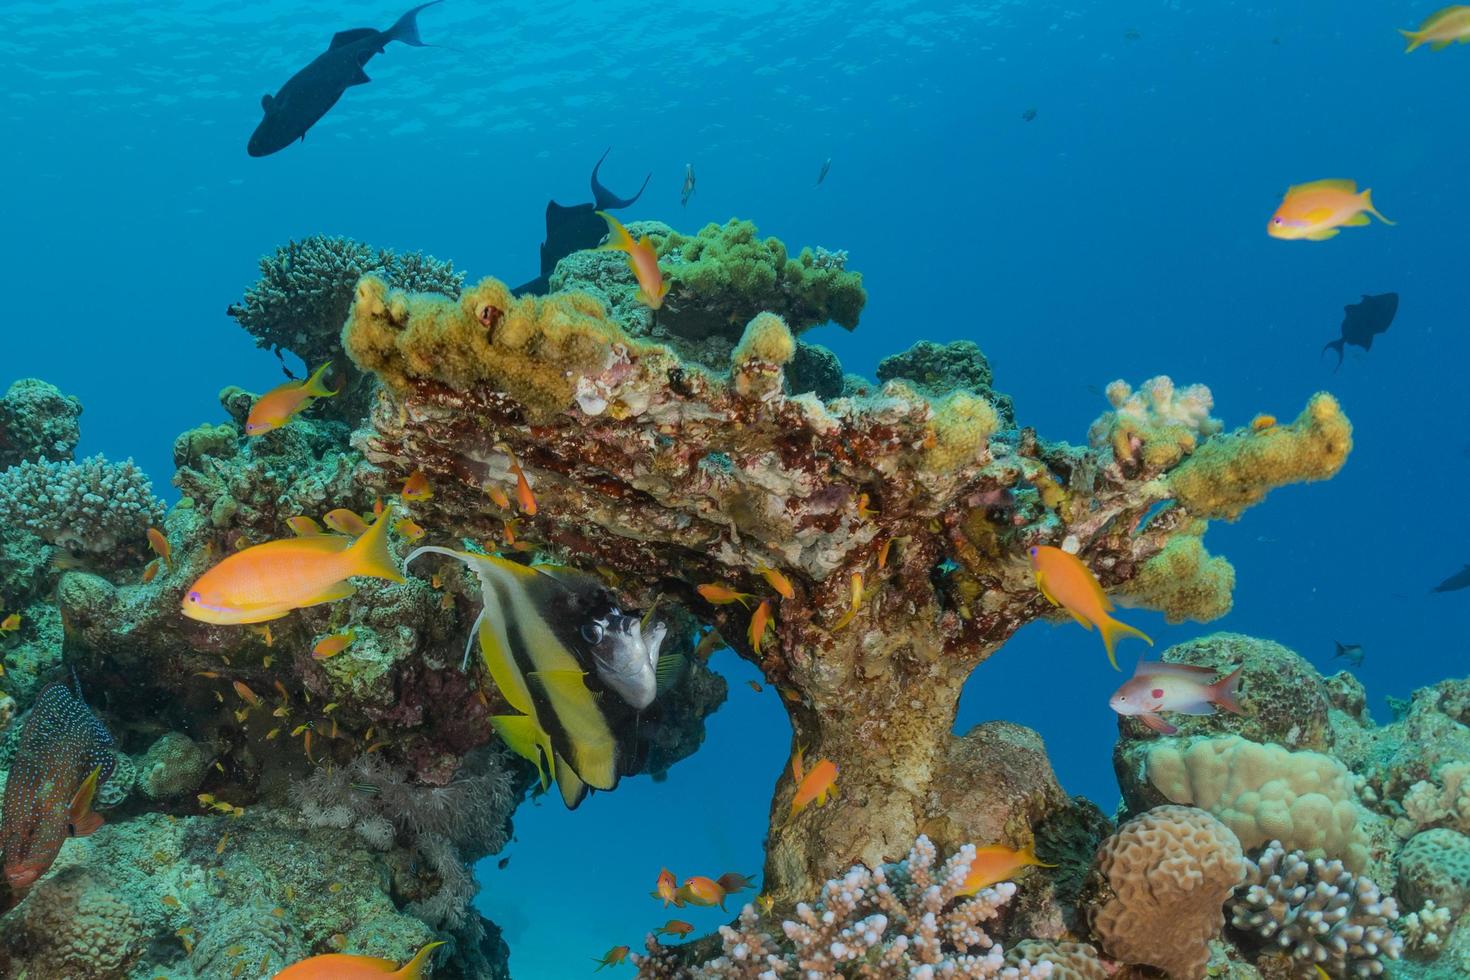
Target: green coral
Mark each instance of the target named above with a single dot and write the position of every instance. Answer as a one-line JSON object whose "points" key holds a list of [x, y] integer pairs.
{"points": [[938, 369], [1183, 581], [37, 422]]}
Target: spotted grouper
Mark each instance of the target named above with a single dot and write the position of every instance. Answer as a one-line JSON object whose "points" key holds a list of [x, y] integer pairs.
{"points": [[64, 754]]}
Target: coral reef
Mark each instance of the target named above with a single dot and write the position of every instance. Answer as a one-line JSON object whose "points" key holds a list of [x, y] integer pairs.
{"points": [[37, 422], [938, 369], [1434, 867], [1317, 912], [91, 506], [1159, 886]]}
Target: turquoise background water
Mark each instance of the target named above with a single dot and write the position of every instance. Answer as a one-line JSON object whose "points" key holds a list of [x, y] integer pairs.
{"points": [[1118, 234]]}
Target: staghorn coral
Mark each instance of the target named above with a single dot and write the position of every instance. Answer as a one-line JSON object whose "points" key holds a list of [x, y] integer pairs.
{"points": [[92, 506], [1318, 912], [1426, 930], [1157, 889], [895, 920], [1434, 867], [37, 422]]}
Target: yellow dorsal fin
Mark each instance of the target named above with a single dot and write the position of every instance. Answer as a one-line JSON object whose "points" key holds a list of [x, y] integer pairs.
{"points": [[1330, 184]]}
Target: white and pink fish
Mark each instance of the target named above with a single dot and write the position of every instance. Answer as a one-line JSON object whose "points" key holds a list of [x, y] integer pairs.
{"points": [[1156, 687]]}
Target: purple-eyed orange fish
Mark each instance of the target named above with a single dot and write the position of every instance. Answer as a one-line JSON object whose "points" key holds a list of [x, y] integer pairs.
{"points": [[667, 889], [279, 406], [346, 966], [267, 581], [1068, 583], [998, 863], [699, 890], [1156, 686], [642, 260], [1315, 211], [815, 785]]}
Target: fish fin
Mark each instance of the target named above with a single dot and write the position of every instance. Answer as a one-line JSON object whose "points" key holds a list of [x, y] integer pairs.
{"points": [[369, 553], [1029, 854], [406, 29], [1439, 45], [1321, 236], [1112, 630], [414, 968], [1330, 184], [348, 37], [360, 78], [1157, 724], [1041, 585], [265, 102], [1225, 691], [314, 385], [1368, 206], [573, 789], [642, 296], [618, 238], [1358, 220], [1337, 345], [1081, 620], [80, 820], [521, 736], [1414, 39], [590, 740], [668, 670], [1317, 215], [1174, 670]]}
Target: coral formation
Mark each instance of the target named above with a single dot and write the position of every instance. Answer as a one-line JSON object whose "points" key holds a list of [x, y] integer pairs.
{"points": [[938, 369], [1159, 886], [37, 422], [1317, 912], [1426, 930], [1434, 866], [92, 506]]}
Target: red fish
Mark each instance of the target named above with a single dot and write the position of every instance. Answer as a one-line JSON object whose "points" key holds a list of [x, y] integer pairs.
{"points": [[63, 748]]}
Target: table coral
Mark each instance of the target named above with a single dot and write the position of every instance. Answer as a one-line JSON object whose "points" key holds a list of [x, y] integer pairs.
{"points": [[92, 506], [1317, 911], [1158, 887]]}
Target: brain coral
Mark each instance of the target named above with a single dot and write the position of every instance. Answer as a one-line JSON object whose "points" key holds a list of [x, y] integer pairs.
{"points": [[1264, 793], [93, 505], [1435, 866], [80, 929], [1159, 886]]}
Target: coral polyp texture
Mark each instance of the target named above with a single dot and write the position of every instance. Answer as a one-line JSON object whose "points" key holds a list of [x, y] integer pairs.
{"points": [[94, 505]]}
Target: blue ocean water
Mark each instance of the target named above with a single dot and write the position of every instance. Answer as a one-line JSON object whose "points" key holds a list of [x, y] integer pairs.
{"points": [[1119, 233]]}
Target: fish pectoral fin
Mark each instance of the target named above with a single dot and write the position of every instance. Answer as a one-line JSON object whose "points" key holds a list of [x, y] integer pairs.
{"points": [[1322, 236], [1041, 584], [1361, 218], [89, 824], [522, 736], [1082, 621], [1158, 724], [360, 77], [341, 590]]}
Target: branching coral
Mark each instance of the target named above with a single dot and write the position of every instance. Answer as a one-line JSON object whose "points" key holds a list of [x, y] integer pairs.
{"points": [[1443, 802], [37, 422], [898, 920], [1158, 886], [1426, 930], [92, 506], [1317, 912]]}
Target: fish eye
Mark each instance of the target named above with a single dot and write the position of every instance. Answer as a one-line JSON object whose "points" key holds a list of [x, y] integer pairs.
{"points": [[1033, 551], [1276, 221], [592, 632], [193, 596]]}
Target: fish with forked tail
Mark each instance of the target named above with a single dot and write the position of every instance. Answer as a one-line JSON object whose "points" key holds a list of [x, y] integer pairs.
{"points": [[311, 92]]}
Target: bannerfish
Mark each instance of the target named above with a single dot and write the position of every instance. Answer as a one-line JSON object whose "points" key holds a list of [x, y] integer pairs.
{"points": [[1351, 652], [1363, 321], [1068, 583], [997, 863], [826, 166], [63, 755], [1441, 29], [543, 634], [576, 227], [687, 191], [1315, 211], [281, 404], [642, 261], [347, 966], [1157, 686], [267, 581], [1455, 582], [311, 92]]}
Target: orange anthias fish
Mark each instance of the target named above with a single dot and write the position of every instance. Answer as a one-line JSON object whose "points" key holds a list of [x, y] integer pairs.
{"points": [[407, 527], [332, 645], [1317, 210], [777, 581], [160, 546], [998, 863], [674, 927], [267, 581], [345, 966], [733, 881], [666, 889], [345, 521], [1068, 583], [524, 497], [279, 406], [416, 487], [642, 260], [856, 602], [722, 595], [1441, 29], [815, 785], [63, 755], [700, 890], [1157, 686], [760, 620], [612, 957], [302, 525]]}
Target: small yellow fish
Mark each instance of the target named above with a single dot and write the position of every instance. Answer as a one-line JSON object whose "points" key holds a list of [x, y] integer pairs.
{"points": [[1262, 422], [998, 863], [280, 405], [760, 621], [765, 903], [1441, 29], [205, 798], [345, 521], [777, 581], [722, 595], [303, 526], [856, 603], [674, 927], [246, 695], [171, 901], [816, 785], [150, 571], [612, 957], [1315, 211], [160, 546], [864, 511], [264, 632], [416, 487], [332, 645], [220, 849], [498, 496], [407, 527], [883, 553], [755, 686], [524, 497], [1068, 583], [642, 261], [10, 623], [272, 733]]}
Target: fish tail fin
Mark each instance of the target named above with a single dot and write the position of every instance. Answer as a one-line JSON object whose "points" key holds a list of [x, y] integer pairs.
{"points": [[407, 30], [369, 553], [1368, 206], [1029, 854], [414, 968], [1337, 345], [1414, 39], [316, 387], [618, 238], [1225, 691], [1112, 630]]}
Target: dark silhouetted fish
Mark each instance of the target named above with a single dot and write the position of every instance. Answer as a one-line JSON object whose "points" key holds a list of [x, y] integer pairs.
{"points": [[61, 745], [687, 191], [826, 166], [1363, 321], [312, 91], [1351, 652], [575, 228], [1029, 114], [1457, 581]]}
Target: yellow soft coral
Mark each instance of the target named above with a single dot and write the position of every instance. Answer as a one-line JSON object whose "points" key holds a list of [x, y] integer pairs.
{"points": [[1183, 581], [535, 350], [961, 428], [766, 339], [1227, 474]]}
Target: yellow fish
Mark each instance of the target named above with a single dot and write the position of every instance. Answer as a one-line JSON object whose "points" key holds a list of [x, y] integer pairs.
{"points": [[1441, 29], [302, 525], [1317, 210], [160, 546], [279, 406], [332, 645], [267, 581], [344, 521], [344, 966], [1068, 583], [998, 863], [10, 624], [408, 528], [642, 260], [777, 581], [416, 487]]}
